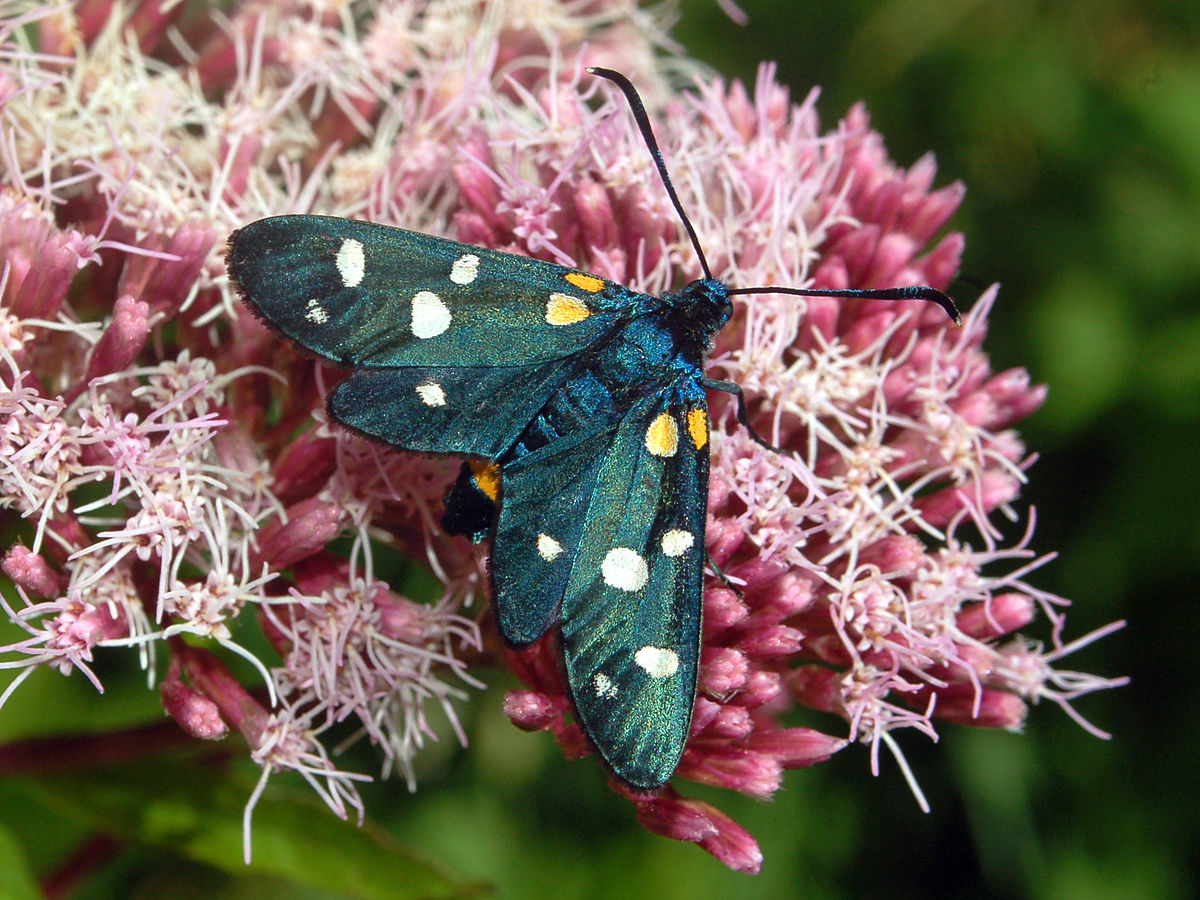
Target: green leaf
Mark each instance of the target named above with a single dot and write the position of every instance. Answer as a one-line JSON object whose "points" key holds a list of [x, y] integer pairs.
{"points": [[16, 881], [296, 839]]}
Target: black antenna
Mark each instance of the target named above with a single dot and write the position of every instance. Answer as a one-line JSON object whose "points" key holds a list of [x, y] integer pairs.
{"points": [[643, 124], [913, 292], [917, 292]]}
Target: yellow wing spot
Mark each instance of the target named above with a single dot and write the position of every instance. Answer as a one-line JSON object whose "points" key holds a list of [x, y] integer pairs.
{"points": [[487, 478], [589, 283], [563, 309], [697, 425], [662, 437]]}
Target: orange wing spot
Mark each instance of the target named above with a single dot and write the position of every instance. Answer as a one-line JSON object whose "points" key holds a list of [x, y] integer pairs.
{"points": [[563, 309], [589, 283], [697, 425], [487, 478], [662, 437]]}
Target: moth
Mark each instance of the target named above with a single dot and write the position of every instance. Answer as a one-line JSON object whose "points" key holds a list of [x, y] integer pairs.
{"points": [[580, 405]]}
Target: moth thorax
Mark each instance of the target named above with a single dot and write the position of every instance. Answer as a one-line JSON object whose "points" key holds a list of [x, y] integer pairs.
{"points": [[708, 308]]}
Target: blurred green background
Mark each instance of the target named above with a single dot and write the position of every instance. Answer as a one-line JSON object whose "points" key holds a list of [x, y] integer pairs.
{"points": [[1076, 128]]}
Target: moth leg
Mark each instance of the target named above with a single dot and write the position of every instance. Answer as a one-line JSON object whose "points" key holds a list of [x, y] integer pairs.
{"points": [[720, 573], [743, 417]]}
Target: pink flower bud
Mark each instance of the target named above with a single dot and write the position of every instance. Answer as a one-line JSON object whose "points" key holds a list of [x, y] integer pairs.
{"points": [[311, 524], [722, 610], [531, 710], [817, 688], [772, 640], [123, 340], [595, 212], [196, 714], [964, 705], [701, 823], [731, 722], [213, 681], [796, 748], [688, 820], [722, 669], [31, 572], [731, 766], [303, 466], [1002, 614], [760, 688]]}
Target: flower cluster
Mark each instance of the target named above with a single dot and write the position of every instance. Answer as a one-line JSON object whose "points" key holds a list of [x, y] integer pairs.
{"points": [[158, 447]]}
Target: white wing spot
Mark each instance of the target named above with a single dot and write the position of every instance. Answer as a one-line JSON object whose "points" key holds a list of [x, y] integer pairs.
{"points": [[677, 542], [429, 315], [351, 263], [548, 548], [658, 662], [431, 394], [465, 268], [316, 312], [605, 687], [624, 569]]}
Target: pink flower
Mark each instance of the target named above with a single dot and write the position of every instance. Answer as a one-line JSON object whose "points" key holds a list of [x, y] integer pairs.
{"points": [[857, 558]]}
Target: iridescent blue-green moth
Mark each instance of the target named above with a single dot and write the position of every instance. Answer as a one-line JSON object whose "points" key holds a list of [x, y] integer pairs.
{"points": [[581, 405]]}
